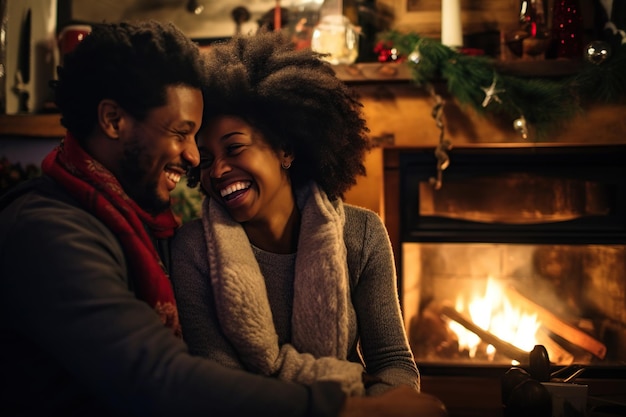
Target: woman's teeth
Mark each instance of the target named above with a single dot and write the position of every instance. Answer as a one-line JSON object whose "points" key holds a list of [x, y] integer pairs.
{"points": [[233, 188]]}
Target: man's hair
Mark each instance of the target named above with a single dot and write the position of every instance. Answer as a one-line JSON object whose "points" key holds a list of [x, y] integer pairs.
{"points": [[131, 63], [296, 101]]}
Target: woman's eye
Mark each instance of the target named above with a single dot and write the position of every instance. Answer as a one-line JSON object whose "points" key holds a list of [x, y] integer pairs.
{"points": [[205, 162], [234, 148]]}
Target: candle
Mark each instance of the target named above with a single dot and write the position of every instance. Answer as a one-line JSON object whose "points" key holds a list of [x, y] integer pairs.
{"points": [[451, 30], [277, 16]]}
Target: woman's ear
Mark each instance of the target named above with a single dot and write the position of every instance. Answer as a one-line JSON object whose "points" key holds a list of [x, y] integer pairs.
{"points": [[286, 158], [109, 118]]}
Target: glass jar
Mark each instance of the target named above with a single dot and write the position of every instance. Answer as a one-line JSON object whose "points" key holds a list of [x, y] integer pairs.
{"points": [[337, 37]]}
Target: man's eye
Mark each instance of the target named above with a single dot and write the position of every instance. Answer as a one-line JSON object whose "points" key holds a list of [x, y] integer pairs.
{"points": [[181, 134]]}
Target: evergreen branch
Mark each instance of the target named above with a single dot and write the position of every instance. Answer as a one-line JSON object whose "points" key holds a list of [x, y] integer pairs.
{"points": [[547, 103]]}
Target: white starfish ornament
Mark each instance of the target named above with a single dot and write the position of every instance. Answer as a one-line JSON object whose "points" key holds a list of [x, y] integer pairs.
{"points": [[491, 93]]}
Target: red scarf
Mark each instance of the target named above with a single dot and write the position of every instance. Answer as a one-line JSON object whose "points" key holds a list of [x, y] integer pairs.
{"points": [[101, 194]]}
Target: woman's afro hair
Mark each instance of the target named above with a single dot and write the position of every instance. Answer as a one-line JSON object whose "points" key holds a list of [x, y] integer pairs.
{"points": [[295, 100]]}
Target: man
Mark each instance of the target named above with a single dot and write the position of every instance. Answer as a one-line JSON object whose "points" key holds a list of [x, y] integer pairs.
{"points": [[89, 323]]}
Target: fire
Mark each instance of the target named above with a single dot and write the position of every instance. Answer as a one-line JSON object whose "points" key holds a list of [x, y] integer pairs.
{"points": [[494, 312]]}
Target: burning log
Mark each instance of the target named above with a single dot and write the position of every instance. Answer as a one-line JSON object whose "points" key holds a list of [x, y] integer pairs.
{"points": [[557, 326], [501, 346], [558, 354]]}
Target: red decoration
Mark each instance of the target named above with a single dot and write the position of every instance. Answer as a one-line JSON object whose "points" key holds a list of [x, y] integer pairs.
{"points": [[567, 29], [387, 52]]}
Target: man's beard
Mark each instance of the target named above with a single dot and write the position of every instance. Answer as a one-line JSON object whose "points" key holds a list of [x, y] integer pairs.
{"points": [[134, 183]]}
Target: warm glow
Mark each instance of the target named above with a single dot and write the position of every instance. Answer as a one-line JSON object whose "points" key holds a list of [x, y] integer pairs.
{"points": [[493, 312]]}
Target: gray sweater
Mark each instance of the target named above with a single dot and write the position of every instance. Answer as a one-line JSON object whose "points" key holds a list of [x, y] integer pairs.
{"points": [[376, 331]]}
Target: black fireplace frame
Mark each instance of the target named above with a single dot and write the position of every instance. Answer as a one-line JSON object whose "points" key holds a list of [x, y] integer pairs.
{"points": [[606, 164]]}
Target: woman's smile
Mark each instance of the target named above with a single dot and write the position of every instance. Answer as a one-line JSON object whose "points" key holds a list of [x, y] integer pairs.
{"points": [[235, 189], [243, 172]]}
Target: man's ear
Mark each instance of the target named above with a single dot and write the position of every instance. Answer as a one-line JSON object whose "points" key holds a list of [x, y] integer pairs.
{"points": [[109, 118]]}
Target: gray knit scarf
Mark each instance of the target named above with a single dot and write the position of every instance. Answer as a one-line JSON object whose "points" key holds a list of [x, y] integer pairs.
{"points": [[319, 321]]}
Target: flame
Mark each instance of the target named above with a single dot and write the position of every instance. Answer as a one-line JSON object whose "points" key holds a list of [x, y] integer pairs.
{"points": [[494, 312]]}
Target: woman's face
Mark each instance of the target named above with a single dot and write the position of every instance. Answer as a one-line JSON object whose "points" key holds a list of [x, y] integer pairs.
{"points": [[242, 172]]}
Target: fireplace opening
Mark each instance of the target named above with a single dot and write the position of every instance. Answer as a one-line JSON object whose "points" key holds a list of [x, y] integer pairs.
{"points": [[520, 246], [485, 303]]}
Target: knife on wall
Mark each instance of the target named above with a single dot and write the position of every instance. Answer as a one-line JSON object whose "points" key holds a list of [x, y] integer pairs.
{"points": [[22, 75]]}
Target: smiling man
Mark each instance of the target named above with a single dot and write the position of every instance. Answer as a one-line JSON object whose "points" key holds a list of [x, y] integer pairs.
{"points": [[150, 156]]}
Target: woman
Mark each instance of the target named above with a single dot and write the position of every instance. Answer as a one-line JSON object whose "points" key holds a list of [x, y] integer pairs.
{"points": [[279, 276]]}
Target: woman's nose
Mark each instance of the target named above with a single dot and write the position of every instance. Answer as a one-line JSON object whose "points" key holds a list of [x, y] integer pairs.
{"points": [[218, 168]]}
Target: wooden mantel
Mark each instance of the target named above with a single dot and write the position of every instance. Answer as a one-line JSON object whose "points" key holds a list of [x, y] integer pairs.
{"points": [[48, 125], [398, 112], [399, 115]]}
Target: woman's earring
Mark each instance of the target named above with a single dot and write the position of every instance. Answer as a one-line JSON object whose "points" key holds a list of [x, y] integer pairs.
{"points": [[285, 165]]}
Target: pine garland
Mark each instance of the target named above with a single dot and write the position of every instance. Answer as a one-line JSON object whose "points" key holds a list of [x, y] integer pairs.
{"points": [[545, 103]]}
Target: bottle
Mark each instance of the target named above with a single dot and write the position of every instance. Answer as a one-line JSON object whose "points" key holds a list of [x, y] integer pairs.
{"points": [[369, 24], [303, 17], [533, 18], [351, 11], [531, 38], [533, 23]]}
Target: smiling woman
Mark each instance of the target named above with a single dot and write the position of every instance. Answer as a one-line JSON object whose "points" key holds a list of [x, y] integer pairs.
{"points": [[279, 276]]}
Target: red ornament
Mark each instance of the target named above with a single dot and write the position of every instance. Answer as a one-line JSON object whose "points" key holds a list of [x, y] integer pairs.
{"points": [[387, 52]]}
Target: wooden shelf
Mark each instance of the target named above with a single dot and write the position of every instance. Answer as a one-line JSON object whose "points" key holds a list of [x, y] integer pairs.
{"points": [[49, 126], [31, 125], [374, 72]]}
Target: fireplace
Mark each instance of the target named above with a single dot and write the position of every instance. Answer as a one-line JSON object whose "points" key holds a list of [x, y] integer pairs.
{"points": [[521, 245]]}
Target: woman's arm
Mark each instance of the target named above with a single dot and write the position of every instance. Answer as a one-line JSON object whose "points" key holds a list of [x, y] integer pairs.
{"points": [[383, 339]]}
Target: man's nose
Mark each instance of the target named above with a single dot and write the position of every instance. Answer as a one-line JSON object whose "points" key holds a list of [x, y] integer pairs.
{"points": [[192, 155]]}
